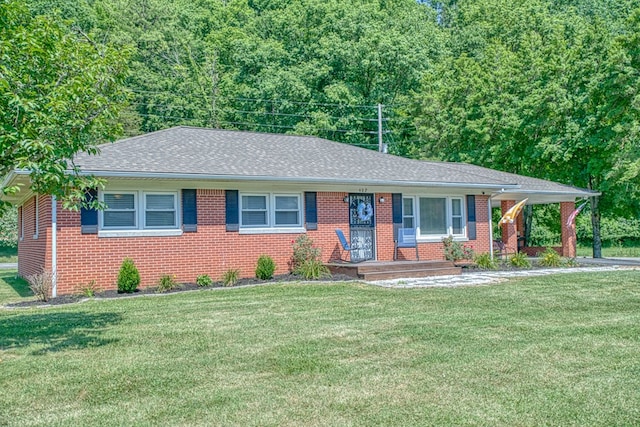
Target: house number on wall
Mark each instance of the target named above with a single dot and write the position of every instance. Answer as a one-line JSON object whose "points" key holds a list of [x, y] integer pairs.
{"points": [[362, 190]]}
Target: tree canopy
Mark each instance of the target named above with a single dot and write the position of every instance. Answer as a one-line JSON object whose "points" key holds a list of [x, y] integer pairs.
{"points": [[60, 93], [542, 88]]}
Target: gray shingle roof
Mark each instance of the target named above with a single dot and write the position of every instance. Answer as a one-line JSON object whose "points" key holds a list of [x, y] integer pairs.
{"points": [[212, 153]]}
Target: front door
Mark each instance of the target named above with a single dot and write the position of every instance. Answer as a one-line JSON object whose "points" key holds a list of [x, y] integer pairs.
{"points": [[362, 226]]}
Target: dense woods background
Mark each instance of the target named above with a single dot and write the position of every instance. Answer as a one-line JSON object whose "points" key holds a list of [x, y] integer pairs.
{"points": [[541, 88]]}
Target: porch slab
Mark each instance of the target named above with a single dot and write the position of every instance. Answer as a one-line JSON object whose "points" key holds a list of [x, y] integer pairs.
{"points": [[386, 270]]}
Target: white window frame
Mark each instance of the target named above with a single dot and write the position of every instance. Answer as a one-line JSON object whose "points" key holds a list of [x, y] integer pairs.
{"points": [[241, 209], [140, 229], [413, 213], [36, 220], [271, 226], [21, 217], [145, 210], [448, 214], [136, 211]]}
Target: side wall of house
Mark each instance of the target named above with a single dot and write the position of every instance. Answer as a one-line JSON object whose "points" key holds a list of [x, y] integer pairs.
{"points": [[34, 227], [212, 250]]}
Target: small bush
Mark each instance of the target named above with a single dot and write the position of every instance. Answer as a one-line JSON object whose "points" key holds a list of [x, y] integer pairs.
{"points": [[128, 277], [303, 252], [520, 260], [550, 258], [167, 283], [231, 277], [313, 269], [204, 280], [570, 262], [41, 284], [265, 268], [485, 262], [89, 290], [454, 251]]}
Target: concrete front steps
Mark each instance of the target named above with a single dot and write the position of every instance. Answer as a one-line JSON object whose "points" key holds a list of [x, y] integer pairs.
{"points": [[385, 270]]}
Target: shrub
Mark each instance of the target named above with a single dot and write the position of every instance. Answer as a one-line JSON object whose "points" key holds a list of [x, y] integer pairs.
{"points": [[520, 260], [166, 283], [204, 280], [89, 290], [40, 284], [306, 261], [231, 277], [570, 262], [303, 251], [265, 268], [485, 262], [454, 251], [313, 269], [128, 277], [550, 258]]}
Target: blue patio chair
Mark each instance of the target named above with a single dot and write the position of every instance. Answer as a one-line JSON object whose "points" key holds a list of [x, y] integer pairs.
{"points": [[406, 239], [345, 245]]}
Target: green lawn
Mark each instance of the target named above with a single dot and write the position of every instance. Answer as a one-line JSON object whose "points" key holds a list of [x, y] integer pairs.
{"points": [[8, 254], [13, 288], [611, 252], [554, 350]]}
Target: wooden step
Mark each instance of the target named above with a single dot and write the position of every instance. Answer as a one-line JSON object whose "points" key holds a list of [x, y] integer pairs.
{"points": [[401, 274], [384, 270], [365, 268]]}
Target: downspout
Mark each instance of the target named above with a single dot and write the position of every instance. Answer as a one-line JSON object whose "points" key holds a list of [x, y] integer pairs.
{"points": [[54, 247]]}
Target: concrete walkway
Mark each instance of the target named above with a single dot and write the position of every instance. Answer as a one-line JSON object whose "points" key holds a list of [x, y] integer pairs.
{"points": [[489, 277], [9, 266]]}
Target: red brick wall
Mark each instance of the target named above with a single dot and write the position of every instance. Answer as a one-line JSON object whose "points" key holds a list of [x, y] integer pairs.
{"points": [[211, 250], [509, 231]]}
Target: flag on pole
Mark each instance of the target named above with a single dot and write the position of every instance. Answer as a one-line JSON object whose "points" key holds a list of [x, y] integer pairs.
{"points": [[574, 214], [512, 213]]}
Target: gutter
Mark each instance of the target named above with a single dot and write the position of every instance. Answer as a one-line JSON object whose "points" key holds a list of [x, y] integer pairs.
{"points": [[54, 246], [187, 176]]}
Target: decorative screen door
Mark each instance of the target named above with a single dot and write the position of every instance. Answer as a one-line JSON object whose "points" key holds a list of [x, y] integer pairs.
{"points": [[362, 226]]}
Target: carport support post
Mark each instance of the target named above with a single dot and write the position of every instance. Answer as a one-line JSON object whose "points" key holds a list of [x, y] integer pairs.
{"points": [[568, 233], [509, 231]]}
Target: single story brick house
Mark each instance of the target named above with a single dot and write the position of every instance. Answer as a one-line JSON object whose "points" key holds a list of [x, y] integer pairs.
{"points": [[187, 201]]}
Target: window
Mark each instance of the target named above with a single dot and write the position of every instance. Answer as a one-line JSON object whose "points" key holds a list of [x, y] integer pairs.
{"points": [[21, 219], [434, 217], [270, 211], [36, 216], [120, 211], [287, 211], [254, 211], [457, 223], [159, 211], [408, 217]]}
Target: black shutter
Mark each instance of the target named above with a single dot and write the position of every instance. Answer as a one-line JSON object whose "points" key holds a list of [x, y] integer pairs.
{"points": [[88, 216], [396, 209], [471, 217], [311, 210], [232, 210], [396, 206], [189, 210]]}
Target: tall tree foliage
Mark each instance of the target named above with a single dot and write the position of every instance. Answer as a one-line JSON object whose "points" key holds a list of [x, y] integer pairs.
{"points": [[60, 92], [526, 90]]}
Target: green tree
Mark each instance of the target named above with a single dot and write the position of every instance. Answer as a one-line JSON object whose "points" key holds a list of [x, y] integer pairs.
{"points": [[60, 93]]}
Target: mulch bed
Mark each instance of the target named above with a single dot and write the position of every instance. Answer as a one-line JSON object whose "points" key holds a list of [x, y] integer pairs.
{"points": [[182, 287]]}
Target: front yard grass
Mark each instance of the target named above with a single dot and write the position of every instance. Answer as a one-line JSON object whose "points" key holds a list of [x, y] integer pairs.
{"points": [[552, 350]]}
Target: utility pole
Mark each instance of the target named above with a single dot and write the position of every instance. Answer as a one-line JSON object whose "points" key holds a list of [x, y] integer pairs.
{"points": [[380, 144]]}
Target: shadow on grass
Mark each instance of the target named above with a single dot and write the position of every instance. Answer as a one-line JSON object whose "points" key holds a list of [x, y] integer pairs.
{"points": [[56, 331], [17, 283]]}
